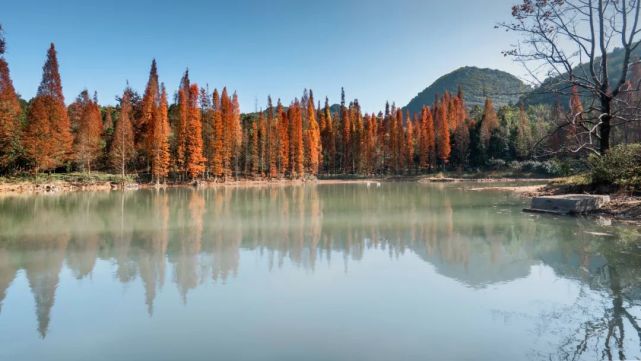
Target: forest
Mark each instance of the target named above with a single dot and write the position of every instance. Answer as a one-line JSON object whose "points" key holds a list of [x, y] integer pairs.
{"points": [[196, 134]]}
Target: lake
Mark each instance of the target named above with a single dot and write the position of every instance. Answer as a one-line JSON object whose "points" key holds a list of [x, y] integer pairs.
{"points": [[404, 271]]}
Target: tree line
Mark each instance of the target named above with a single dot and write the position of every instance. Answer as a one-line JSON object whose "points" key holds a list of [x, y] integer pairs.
{"points": [[203, 135]]}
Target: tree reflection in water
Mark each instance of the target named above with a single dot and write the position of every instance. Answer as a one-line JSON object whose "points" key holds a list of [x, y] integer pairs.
{"points": [[604, 321], [198, 236]]}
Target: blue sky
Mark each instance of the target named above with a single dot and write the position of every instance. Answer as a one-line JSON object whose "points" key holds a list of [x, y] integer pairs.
{"points": [[378, 49]]}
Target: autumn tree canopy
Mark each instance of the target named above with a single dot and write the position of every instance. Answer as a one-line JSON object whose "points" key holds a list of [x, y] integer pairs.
{"points": [[122, 146], [47, 139], [10, 127]]}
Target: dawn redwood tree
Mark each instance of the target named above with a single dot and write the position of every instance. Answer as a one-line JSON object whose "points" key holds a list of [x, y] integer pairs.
{"points": [[207, 125], [272, 139], [108, 123], [427, 139], [180, 128], [262, 144], [217, 151], [283, 134], [489, 123], [228, 136], [357, 137], [346, 139], [313, 138], [254, 148], [460, 133], [195, 161], [159, 150], [236, 131], [398, 141], [88, 137], [10, 128], [328, 137], [372, 143], [122, 146], [297, 160], [443, 145], [461, 140], [409, 143], [150, 101], [47, 139]]}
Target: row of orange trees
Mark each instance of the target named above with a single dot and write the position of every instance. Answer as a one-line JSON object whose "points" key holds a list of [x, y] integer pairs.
{"points": [[203, 134]]}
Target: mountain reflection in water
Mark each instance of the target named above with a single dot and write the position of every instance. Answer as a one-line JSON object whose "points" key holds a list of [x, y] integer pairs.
{"points": [[191, 238]]}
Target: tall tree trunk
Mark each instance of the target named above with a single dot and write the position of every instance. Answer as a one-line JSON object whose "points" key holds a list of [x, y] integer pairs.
{"points": [[606, 125]]}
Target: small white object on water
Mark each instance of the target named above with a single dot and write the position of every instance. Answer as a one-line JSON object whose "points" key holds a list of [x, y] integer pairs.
{"points": [[600, 234], [368, 183]]}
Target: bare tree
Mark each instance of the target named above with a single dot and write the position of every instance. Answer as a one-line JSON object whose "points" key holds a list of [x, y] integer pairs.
{"points": [[568, 41]]}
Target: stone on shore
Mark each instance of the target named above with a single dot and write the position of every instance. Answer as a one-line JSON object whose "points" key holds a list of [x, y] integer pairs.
{"points": [[568, 203]]}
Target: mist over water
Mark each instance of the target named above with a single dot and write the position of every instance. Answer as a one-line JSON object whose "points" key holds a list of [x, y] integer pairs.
{"points": [[403, 271]]}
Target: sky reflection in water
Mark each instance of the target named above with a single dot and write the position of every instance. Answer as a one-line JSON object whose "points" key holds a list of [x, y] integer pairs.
{"points": [[329, 272]]}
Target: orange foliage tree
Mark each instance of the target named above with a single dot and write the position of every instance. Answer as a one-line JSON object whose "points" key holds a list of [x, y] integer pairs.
{"points": [[195, 161], [427, 141], [160, 155], [9, 114], [143, 128], [314, 147], [489, 123], [47, 138], [443, 139], [122, 146], [88, 137], [328, 137], [228, 138], [283, 135], [297, 157], [272, 139], [254, 146], [217, 150], [409, 143]]}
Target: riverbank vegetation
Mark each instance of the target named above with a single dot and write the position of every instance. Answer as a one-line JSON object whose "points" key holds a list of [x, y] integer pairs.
{"points": [[198, 134]]}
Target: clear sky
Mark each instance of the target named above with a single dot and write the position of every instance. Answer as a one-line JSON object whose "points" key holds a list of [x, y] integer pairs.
{"points": [[377, 49]]}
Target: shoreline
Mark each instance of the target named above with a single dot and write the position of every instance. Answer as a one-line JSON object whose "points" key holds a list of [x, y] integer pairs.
{"points": [[623, 207], [26, 186]]}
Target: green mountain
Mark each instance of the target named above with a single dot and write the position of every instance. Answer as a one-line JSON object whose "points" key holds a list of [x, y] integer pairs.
{"points": [[477, 84], [543, 94]]}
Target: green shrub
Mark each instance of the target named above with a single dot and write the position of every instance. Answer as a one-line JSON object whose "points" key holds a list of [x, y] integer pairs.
{"points": [[496, 164], [621, 165]]}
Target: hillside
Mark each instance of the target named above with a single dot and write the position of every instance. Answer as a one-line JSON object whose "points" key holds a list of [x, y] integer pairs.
{"points": [[543, 95], [477, 84]]}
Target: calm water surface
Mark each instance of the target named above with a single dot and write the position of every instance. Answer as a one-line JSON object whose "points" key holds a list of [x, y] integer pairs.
{"points": [[403, 271]]}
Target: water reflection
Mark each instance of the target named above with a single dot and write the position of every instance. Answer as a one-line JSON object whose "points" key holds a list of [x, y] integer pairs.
{"points": [[197, 236]]}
